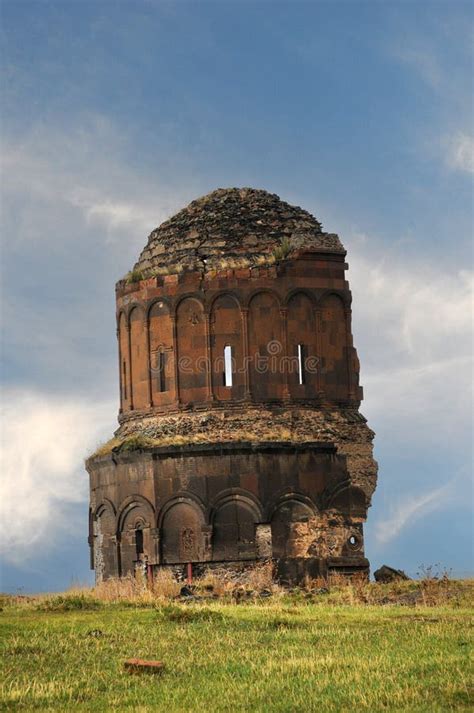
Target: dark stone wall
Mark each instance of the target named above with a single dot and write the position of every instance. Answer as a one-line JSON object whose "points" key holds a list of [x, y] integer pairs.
{"points": [[227, 503]]}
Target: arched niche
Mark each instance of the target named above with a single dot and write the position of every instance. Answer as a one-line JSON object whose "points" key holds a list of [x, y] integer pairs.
{"points": [[286, 515], [124, 362], [137, 516], [139, 357], [266, 347], [226, 331], [333, 346], [192, 351], [181, 533], [350, 501], [162, 354], [234, 531], [302, 347]]}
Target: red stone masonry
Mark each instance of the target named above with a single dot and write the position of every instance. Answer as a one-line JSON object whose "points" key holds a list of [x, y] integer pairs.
{"points": [[190, 318], [240, 436]]}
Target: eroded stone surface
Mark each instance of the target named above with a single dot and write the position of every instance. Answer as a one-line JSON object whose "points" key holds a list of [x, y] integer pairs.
{"points": [[232, 225], [277, 463]]}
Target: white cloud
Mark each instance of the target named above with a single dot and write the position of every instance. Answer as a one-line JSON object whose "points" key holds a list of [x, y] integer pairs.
{"points": [[448, 76], [85, 169], [412, 324], [44, 442], [409, 509], [413, 329], [460, 152], [75, 217]]}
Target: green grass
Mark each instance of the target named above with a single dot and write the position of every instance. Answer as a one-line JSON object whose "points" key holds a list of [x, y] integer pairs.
{"points": [[286, 653]]}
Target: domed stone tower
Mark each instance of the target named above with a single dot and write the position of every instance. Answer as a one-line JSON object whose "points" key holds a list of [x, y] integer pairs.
{"points": [[240, 435]]}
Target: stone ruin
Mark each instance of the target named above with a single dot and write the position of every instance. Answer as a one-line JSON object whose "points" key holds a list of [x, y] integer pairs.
{"points": [[240, 437]]}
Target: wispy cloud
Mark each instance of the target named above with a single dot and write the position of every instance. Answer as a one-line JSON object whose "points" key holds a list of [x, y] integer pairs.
{"points": [[86, 169], [75, 217], [413, 329], [44, 442], [423, 61], [409, 509], [460, 152], [448, 75]]}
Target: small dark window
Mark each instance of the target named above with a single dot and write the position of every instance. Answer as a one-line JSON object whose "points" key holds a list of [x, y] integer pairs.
{"points": [[124, 372], [301, 363], [139, 542], [162, 371], [228, 366]]}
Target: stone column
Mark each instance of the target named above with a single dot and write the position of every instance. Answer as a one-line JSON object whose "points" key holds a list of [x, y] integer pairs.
{"points": [[263, 540], [245, 342], [207, 327], [206, 531], [348, 347], [175, 362], [148, 356], [319, 381], [130, 381], [285, 355], [117, 332], [154, 557]]}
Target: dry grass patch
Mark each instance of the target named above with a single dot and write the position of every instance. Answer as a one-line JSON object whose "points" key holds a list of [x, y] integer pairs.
{"points": [[284, 653]]}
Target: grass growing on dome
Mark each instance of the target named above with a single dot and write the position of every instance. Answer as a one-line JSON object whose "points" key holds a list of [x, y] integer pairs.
{"points": [[263, 260], [283, 250], [141, 442], [134, 276]]}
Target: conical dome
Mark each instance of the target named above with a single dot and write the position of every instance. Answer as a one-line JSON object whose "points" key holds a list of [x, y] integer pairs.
{"points": [[240, 224]]}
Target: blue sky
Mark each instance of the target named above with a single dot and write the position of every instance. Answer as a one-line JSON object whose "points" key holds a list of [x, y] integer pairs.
{"points": [[117, 114]]}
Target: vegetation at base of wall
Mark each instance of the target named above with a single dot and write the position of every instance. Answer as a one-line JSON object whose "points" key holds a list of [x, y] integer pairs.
{"points": [[326, 648], [255, 583], [141, 442]]}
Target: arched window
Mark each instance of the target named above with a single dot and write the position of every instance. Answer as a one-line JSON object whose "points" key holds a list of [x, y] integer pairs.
{"points": [[266, 347], [226, 349], [302, 347]]}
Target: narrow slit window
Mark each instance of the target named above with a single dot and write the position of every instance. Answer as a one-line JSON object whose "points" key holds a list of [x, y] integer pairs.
{"points": [[139, 542], [228, 366], [161, 371], [124, 371], [301, 363]]}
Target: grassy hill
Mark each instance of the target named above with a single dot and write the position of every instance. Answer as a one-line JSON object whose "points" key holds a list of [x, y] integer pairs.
{"points": [[346, 647]]}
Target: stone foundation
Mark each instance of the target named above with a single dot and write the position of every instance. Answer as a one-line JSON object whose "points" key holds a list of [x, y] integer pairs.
{"points": [[226, 502]]}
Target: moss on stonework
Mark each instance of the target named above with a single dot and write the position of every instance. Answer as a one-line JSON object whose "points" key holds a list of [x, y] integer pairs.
{"points": [[282, 250], [139, 442], [134, 276], [232, 228], [212, 267]]}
